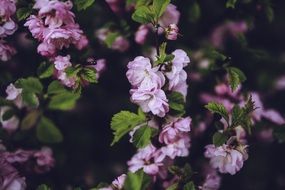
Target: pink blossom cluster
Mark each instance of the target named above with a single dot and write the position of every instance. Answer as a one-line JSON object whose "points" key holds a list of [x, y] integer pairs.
{"points": [[168, 22], [10, 177], [38, 161], [148, 91], [212, 179], [146, 86], [147, 82], [13, 94], [174, 142], [226, 158], [7, 28], [232, 29], [62, 63], [54, 26], [225, 96]]}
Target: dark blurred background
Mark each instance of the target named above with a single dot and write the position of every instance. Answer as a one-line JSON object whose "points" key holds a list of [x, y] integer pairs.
{"points": [[85, 157]]}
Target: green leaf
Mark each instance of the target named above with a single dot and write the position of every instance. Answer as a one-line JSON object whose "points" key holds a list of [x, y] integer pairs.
{"points": [[231, 4], [173, 186], [47, 132], [30, 99], [89, 74], [163, 57], [194, 12], [72, 71], [43, 187], [143, 15], [187, 172], [56, 88], [189, 186], [45, 70], [64, 101], [142, 136], [142, 2], [4, 102], [219, 109], [83, 4], [110, 38], [123, 122], [184, 173], [176, 103], [30, 120], [269, 13], [137, 181], [30, 85], [219, 139], [241, 116], [214, 54], [8, 114], [159, 7], [236, 77], [23, 13]]}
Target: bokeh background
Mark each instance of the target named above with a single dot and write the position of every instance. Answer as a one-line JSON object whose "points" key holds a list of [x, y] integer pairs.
{"points": [[85, 157]]}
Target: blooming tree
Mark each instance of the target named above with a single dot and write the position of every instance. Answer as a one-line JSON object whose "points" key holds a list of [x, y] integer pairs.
{"points": [[160, 124]]}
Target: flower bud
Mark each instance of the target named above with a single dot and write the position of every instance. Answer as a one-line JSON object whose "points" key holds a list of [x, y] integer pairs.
{"points": [[171, 32]]}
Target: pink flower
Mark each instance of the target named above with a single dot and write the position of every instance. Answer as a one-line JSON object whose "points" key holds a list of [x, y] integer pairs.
{"points": [[19, 156], [180, 57], [119, 182], [154, 101], [55, 12], [280, 83], [173, 130], [36, 27], [100, 67], [274, 116], [228, 29], [206, 98], [7, 8], [115, 5], [62, 62], [10, 179], [13, 93], [170, 16], [178, 148], [172, 32], [221, 89], [6, 51], [225, 158], [144, 158], [66, 80], [141, 34], [44, 158], [212, 182], [8, 28], [10, 124], [142, 76], [121, 44], [55, 27], [261, 112], [46, 49], [177, 76]]}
